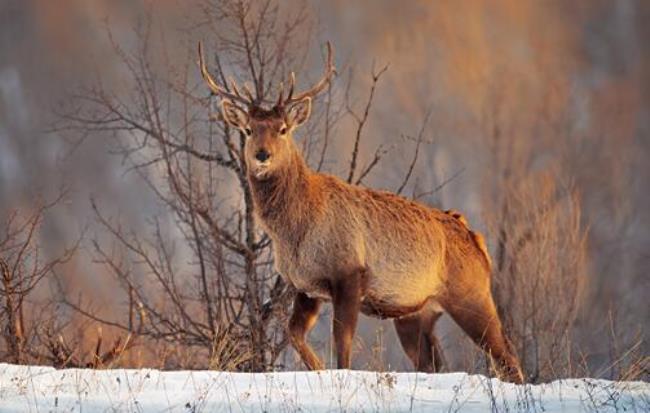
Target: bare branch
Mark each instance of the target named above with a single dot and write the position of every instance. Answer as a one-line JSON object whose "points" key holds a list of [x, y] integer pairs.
{"points": [[361, 120], [414, 160]]}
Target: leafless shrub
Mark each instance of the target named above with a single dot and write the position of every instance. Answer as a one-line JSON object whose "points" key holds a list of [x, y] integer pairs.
{"points": [[61, 354], [540, 244], [23, 267], [228, 292], [539, 273]]}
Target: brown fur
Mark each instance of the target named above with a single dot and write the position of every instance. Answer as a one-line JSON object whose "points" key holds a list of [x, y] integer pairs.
{"points": [[369, 251], [477, 238]]}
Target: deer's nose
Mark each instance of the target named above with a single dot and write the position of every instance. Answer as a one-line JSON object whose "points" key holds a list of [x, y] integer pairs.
{"points": [[262, 155]]}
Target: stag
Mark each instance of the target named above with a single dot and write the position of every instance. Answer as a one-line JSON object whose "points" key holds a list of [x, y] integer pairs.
{"points": [[360, 249]]}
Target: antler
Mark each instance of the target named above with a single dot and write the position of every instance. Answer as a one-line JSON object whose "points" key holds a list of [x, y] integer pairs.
{"points": [[316, 89], [234, 94], [218, 90]]}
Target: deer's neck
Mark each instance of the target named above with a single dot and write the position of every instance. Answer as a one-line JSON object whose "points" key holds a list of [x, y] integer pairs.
{"points": [[285, 201]]}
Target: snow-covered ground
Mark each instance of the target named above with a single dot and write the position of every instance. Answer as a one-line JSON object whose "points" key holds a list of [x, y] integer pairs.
{"points": [[30, 388]]}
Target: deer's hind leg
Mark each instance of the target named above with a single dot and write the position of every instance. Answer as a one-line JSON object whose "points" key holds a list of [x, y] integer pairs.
{"points": [[476, 314], [416, 334], [303, 319]]}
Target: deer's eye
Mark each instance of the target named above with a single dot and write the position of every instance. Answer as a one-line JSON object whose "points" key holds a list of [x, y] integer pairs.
{"points": [[283, 131], [248, 131]]}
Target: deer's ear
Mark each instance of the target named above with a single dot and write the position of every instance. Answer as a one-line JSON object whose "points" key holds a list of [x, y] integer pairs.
{"points": [[299, 112], [234, 115]]}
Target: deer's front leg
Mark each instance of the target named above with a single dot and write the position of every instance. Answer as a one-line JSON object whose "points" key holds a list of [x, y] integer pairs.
{"points": [[303, 319], [346, 299]]}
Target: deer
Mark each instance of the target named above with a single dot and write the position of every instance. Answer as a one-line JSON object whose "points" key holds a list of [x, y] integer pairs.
{"points": [[365, 251]]}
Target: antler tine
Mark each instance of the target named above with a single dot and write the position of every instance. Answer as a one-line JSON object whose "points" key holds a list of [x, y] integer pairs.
{"points": [[281, 101], [321, 84], [214, 86], [280, 94], [248, 92], [292, 83], [233, 86]]}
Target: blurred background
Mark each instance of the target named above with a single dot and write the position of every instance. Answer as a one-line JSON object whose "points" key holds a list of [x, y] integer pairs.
{"points": [[531, 118]]}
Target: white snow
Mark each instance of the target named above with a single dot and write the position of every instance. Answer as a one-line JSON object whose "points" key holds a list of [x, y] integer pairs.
{"points": [[36, 389]]}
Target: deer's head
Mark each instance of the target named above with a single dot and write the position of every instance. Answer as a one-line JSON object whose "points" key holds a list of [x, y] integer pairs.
{"points": [[267, 126]]}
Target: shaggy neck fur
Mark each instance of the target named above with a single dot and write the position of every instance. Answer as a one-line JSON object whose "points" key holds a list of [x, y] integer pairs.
{"points": [[284, 200]]}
